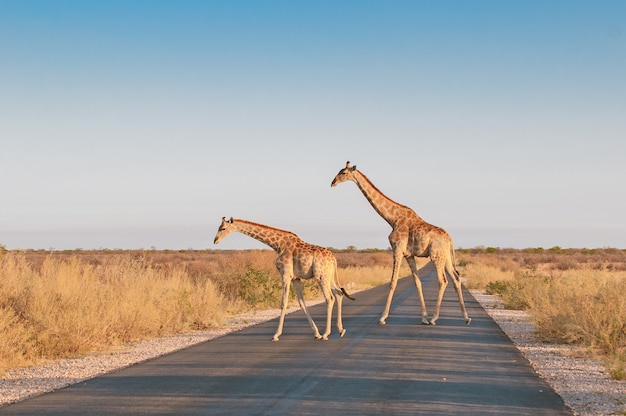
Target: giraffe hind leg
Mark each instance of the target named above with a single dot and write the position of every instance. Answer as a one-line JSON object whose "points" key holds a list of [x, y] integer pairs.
{"points": [[443, 283], [418, 287], [456, 280], [329, 297], [329, 313], [339, 297], [297, 284]]}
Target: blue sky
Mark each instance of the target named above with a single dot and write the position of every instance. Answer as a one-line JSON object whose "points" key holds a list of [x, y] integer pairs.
{"points": [[139, 124]]}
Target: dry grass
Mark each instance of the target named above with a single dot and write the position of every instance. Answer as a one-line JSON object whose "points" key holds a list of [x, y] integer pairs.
{"points": [[69, 303], [574, 296], [70, 307], [360, 278]]}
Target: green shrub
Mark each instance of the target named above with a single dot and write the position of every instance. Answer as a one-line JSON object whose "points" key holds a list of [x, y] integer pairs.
{"points": [[259, 288], [511, 292]]}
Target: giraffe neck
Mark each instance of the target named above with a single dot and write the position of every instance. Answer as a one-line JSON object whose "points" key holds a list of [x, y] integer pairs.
{"points": [[273, 237], [384, 206]]}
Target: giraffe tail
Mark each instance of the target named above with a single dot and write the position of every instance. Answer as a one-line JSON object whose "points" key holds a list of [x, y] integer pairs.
{"points": [[346, 294], [453, 259]]}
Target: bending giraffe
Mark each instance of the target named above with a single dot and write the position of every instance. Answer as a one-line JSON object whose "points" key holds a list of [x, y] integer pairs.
{"points": [[410, 237], [296, 260]]}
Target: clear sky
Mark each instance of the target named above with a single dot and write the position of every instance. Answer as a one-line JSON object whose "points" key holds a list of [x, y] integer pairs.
{"points": [[139, 124]]}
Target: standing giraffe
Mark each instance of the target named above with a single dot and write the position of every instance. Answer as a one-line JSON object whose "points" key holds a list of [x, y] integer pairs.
{"points": [[410, 237], [296, 260]]}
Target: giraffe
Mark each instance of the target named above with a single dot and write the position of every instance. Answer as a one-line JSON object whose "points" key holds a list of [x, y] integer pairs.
{"points": [[410, 237], [295, 260]]}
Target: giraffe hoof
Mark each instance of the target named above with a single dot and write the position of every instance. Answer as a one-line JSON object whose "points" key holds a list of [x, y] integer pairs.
{"points": [[425, 322], [275, 339], [468, 321], [318, 336], [382, 322], [342, 333], [433, 323]]}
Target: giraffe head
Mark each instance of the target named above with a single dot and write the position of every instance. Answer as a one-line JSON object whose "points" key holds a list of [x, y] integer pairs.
{"points": [[345, 174], [226, 227]]}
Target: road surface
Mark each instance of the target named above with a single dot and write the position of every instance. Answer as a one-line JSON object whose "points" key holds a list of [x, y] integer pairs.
{"points": [[402, 368]]}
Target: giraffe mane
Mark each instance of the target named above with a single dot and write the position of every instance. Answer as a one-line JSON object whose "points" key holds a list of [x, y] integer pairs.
{"points": [[267, 227], [379, 191]]}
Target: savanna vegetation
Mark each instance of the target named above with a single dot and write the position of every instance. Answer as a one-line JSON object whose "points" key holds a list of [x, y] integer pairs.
{"points": [[575, 296], [68, 303]]}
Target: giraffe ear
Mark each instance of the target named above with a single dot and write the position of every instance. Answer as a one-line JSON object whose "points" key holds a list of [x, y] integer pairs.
{"points": [[353, 168], [231, 220]]}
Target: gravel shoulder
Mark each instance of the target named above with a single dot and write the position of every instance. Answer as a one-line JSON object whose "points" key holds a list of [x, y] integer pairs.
{"points": [[582, 383], [20, 384]]}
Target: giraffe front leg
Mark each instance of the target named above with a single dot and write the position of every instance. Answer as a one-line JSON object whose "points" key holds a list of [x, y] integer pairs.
{"points": [[392, 288], [397, 258], [283, 309]]}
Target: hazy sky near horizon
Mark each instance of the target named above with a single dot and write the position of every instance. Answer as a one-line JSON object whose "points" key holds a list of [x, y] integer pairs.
{"points": [[138, 124]]}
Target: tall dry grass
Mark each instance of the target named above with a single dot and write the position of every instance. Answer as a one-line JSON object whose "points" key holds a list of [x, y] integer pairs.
{"points": [[586, 307], [74, 302], [70, 307], [574, 296], [68, 303]]}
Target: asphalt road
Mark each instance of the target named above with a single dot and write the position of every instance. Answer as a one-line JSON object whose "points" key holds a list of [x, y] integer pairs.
{"points": [[402, 368]]}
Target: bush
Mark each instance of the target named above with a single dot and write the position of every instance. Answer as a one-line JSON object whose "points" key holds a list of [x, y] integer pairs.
{"points": [[511, 292], [258, 288]]}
